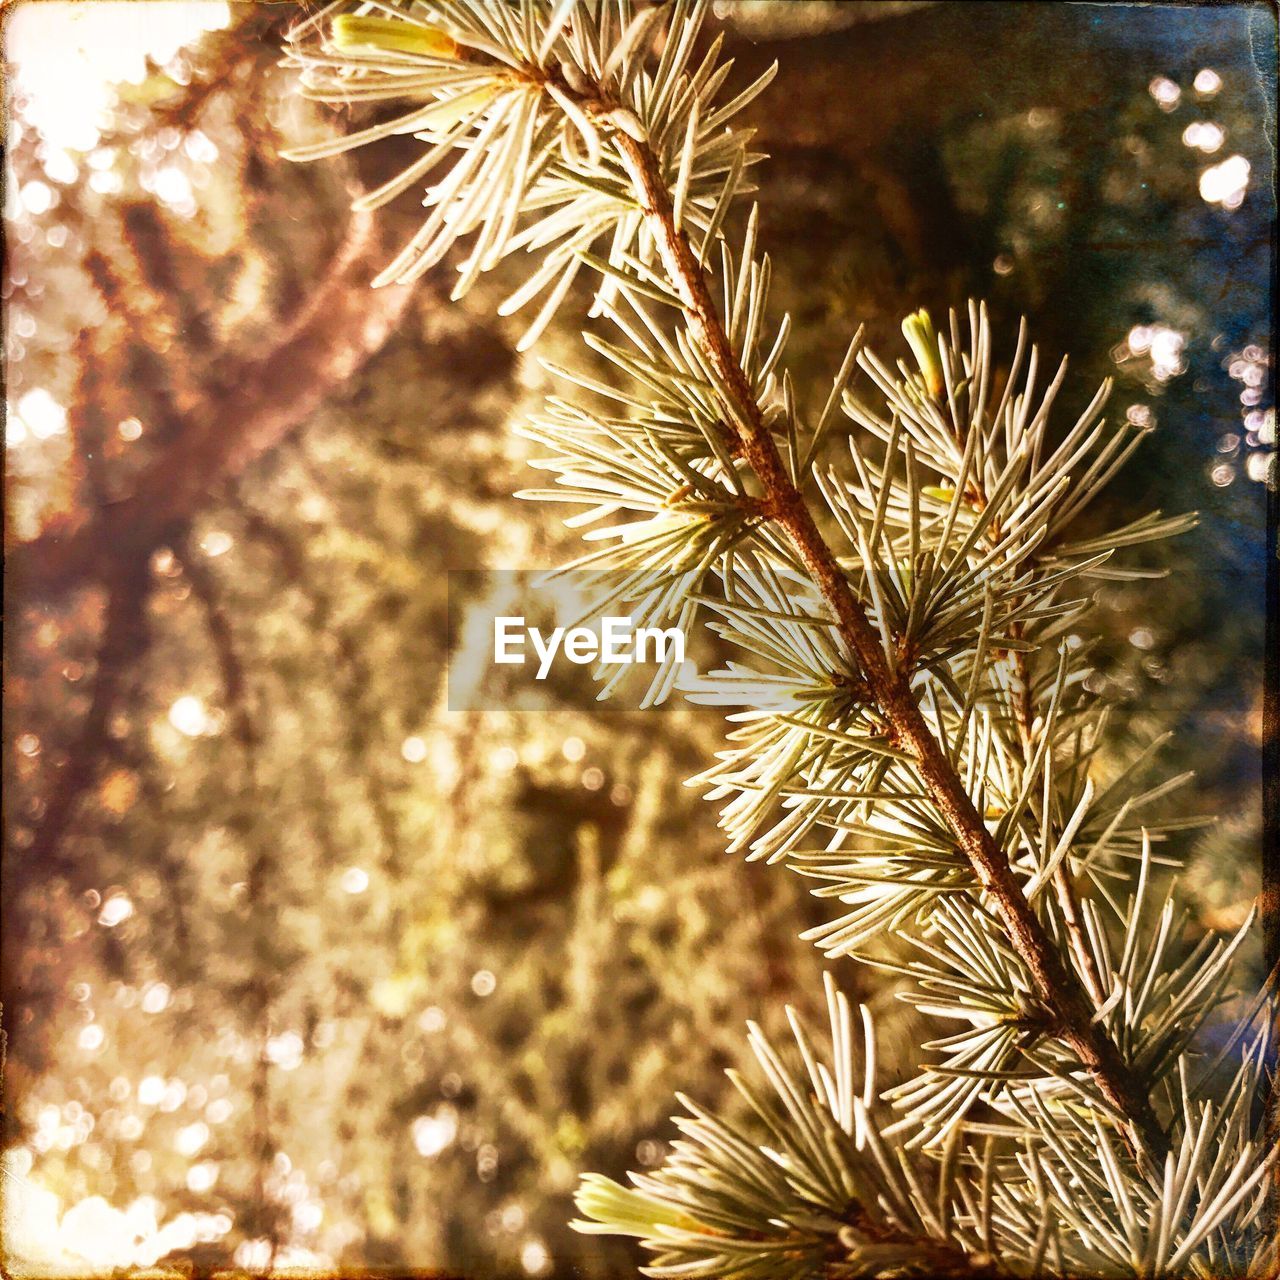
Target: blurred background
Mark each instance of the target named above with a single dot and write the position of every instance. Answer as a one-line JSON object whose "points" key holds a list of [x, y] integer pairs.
{"points": [[302, 970]]}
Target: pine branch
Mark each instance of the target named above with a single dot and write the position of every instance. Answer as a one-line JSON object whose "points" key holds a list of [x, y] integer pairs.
{"points": [[1070, 1013], [846, 1199], [1068, 1006], [897, 709]]}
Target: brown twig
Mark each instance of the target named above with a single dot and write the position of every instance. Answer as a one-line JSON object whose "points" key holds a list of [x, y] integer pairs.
{"points": [[944, 1260]]}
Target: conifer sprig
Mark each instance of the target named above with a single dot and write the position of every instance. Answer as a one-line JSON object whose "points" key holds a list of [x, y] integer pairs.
{"points": [[915, 731]]}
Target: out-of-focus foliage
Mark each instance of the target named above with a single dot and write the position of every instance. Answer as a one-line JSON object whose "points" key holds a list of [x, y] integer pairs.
{"points": [[308, 970], [300, 967]]}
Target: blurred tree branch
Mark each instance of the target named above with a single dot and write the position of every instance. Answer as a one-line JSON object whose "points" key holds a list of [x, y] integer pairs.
{"points": [[330, 337], [351, 668], [224, 64], [123, 640]]}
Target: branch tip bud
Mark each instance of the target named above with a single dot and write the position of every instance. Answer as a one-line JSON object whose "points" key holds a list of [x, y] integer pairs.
{"points": [[349, 32], [918, 330]]}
